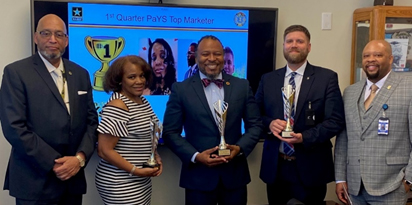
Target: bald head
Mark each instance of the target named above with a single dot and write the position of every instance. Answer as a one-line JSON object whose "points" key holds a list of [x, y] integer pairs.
{"points": [[49, 20], [380, 43], [51, 38], [377, 59]]}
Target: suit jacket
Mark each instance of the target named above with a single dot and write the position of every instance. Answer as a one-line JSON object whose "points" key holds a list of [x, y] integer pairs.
{"points": [[188, 107], [314, 156], [189, 73], [36, 123], [381, 162]]}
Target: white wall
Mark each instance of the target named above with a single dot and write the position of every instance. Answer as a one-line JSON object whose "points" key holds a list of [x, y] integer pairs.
{"points": [[329, 49]]}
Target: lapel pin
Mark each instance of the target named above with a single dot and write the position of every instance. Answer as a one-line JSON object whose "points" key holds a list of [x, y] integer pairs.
{"points": [[307, 78], [227, 83], [70, 73], [389, 87]]}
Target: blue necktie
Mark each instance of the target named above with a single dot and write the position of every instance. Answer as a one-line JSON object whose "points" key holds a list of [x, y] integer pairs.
{"points": [[288, 149], [293, 84]]}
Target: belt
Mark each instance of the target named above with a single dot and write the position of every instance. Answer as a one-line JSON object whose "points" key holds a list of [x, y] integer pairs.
{"points": [[286, 157]]}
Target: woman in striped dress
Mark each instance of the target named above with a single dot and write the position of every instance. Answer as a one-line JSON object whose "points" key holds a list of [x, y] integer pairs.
{"points": [[124, 135]]}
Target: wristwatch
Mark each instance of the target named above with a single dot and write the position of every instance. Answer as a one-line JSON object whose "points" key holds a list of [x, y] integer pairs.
{"points": [[81, 160]]}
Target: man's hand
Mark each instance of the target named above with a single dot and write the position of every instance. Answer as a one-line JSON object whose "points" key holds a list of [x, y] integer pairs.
{"points": [[277, 126], [234, 151], [296, 138], [207, 158], [66, 167], [340, 192]]}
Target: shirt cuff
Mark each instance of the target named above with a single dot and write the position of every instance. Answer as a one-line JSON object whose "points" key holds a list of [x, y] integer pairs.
{"points": [[338, 182], [194, 157]]}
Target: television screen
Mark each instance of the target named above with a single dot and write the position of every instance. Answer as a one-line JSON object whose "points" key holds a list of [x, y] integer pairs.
{"points": [[165, 36]]}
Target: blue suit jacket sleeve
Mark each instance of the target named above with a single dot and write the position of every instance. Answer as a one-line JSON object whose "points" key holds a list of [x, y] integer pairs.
{"points": [[172, 127], [333, 119], [253, 123]]}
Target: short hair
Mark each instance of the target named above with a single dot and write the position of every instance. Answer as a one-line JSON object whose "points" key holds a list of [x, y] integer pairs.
{"points": [[194, 45], [294, 28], [114, 75], [207, 37], [228, 50]]}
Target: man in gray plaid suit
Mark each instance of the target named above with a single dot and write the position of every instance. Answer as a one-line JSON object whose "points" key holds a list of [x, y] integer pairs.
{"points": [[373, 162]]}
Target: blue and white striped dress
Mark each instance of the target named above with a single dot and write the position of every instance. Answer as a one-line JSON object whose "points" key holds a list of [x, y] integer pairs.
{"points": [[114, 185]]}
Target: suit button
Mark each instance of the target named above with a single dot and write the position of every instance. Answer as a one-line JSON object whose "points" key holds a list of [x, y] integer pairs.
{"points": [[71, 133], [358, 160]]}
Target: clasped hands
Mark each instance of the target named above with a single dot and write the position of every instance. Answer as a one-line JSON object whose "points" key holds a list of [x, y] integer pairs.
{"points": [[66, 167], [210, 158], [277, 126]]}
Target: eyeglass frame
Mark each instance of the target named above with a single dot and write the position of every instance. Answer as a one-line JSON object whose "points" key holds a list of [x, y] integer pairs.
{"points": [[56, 34]]}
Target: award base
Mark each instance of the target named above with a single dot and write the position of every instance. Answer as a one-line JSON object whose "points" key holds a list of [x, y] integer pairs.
{"points": [[223, 152], [150, 165], [286, 134]]}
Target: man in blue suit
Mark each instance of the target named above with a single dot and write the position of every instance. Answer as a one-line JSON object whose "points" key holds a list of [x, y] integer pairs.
{"points": [[210, 179], [48, 116], [300, 165]]}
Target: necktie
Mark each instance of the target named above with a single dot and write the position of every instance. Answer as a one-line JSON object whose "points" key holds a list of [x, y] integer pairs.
{"points": [[369, 100], [219, 82], [59, 82], [293, 84], [287, 148]]}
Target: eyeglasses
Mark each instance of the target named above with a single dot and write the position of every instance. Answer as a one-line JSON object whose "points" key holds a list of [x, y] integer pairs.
{"points": [[47, 34]]}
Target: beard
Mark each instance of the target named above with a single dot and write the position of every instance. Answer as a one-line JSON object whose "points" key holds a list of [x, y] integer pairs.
{"points": [[297, 58], [209, 75], [372, 76], [52, 56]]}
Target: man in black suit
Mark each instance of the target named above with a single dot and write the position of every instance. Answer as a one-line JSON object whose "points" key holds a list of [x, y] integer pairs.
{"points": [[209, 178], [48, 116], [300, 165]]}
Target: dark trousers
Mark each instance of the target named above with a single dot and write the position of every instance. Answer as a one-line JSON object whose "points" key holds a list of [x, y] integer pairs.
{"points": [[288, 186], [66, 199], [220, 195]]}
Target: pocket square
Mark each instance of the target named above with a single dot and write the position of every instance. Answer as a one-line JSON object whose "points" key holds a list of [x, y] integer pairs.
{"points": [[80, 92]]}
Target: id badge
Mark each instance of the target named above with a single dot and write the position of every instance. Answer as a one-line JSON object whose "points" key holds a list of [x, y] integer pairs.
{"points": [[383, 126]]}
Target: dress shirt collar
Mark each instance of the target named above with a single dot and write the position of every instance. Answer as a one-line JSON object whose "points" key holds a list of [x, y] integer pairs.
{"points": [[300, 71], [204, 76], [49, 66], [379, 83]]}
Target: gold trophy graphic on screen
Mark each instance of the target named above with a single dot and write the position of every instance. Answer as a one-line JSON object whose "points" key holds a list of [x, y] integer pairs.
{"points": [[104, 49]]}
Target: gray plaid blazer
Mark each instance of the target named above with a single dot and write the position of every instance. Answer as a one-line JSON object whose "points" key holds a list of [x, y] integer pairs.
{"points": [[381, 162]]}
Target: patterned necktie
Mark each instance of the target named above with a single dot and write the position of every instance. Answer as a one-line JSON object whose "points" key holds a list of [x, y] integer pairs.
{"points": [[369, 100], [59, 81], [288, 149], [293, 84], [219, 82]]}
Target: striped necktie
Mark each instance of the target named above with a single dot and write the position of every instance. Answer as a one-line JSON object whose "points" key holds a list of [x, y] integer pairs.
{"points": [[287, 148], [293, 84]]}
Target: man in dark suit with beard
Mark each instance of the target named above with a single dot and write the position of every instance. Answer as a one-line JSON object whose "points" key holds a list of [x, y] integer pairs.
{"points": [[207, 177], [299, 165], [48, 116]]}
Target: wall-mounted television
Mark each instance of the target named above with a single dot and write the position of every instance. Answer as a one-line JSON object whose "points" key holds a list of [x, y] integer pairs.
{"points": [[101, 32]]}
